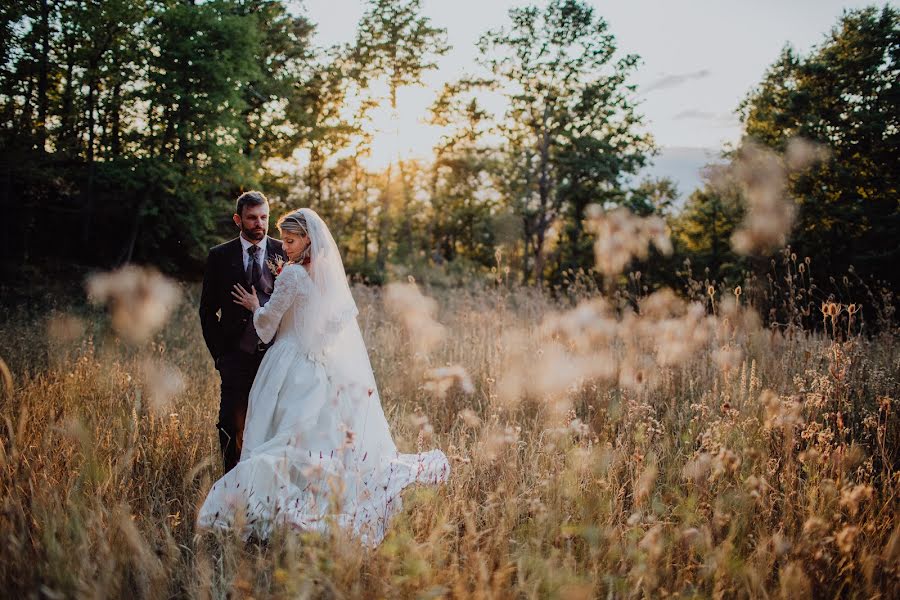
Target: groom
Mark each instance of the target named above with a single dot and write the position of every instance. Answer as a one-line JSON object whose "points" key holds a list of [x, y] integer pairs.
{"points": [[228, 327]]}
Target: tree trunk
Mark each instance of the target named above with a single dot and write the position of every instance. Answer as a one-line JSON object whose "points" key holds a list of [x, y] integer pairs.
{"points": [[384, 222], [365, 208], [87, 224], [67, 127], [27, 119], [128, 251], [543, 219], [42, 77], [407, 218], [526, 251], [314, 173], [116, 117]]}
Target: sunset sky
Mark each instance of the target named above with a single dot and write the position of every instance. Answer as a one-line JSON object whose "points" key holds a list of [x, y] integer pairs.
{"points": [[699, 59]]}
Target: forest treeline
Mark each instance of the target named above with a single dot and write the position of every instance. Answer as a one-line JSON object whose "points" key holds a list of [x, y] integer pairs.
{"points": [[128, 127]]}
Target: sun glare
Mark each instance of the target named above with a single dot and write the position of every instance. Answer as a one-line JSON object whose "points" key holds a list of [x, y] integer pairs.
{"points": [[402, 134]]}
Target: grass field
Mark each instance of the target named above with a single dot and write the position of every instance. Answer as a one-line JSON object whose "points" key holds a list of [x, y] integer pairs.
{"points": [[604, 452]]}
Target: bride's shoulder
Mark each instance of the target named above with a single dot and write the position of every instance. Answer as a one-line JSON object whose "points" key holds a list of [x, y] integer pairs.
{"points": [[295, 270]]}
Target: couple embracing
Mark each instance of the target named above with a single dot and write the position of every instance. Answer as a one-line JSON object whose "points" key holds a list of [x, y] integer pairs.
{"points": [[304, 439]]}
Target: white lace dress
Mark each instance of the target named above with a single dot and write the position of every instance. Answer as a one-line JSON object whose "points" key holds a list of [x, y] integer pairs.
{"points": [[317, 451]]}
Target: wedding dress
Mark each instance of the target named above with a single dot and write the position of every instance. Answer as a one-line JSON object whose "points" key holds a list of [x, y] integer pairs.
{"points": [[317, 451]]}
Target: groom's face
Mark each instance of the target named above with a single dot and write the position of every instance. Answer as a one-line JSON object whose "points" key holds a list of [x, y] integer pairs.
{"points": [[253, 222]]}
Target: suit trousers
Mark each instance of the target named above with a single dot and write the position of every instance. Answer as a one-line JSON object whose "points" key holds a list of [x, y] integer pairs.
{"points": [[237, 370]]}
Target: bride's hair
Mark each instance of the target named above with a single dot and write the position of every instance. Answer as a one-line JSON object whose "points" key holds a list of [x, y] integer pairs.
{"points": [[295, 222]]}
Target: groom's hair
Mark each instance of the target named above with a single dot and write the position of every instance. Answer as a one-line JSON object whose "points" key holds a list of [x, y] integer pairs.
{"points": [[252, 198]]}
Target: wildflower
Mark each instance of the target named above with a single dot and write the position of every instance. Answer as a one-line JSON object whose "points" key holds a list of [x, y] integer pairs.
{"points": [[495, 440], [780, 544], [793, 582], [349, 436], [469, 417], [622, 236], [725, 461], [652, 542], [162, 382], [728, 358], [692, 537], [644, 485], [815, 527], [846, 538], [779, 412], [416, 312], [801, 154], [697, 470], [420, 422], [441, 379], [853, 497], [762, 177], [140, 300], [756, 486]]}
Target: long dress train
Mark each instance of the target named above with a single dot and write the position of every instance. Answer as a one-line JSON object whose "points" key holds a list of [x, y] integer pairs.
{"points": [[317, 450]]}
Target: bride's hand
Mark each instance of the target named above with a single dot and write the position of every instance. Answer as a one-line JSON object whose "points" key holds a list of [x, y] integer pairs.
{"points": [[246, 299]]}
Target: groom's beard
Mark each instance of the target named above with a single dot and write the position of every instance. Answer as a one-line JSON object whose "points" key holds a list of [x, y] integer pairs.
{"points": [[254, 235]]}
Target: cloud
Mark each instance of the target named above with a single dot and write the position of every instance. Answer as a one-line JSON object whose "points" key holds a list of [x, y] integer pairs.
{"points": [[717, 119], [695, 114], [670, 81]]}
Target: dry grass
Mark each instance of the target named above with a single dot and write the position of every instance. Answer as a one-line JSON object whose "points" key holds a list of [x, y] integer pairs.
{"points": [[754, 465]]}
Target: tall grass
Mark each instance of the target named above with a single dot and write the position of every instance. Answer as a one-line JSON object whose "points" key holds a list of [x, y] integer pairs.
{"points": [[770, 472]]}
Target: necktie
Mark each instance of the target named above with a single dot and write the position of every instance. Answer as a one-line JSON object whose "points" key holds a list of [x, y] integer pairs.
{"points": [[253, 269]]}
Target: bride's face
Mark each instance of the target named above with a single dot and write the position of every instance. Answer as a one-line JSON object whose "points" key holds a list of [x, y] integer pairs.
{"points": [[294, 244]]}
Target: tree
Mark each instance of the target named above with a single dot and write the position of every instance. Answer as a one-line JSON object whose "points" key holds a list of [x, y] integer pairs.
{"points": [[462, 199], [273, 99], [702, 230], [138, 121], [570, 131], [844, 96], [652, 197], [394, 42]]}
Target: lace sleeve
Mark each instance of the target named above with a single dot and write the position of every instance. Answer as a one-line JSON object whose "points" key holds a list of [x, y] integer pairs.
{"points": [[287, 288]]}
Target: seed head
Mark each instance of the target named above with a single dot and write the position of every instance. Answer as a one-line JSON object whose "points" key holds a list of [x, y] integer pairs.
{"points": [[140, 300]]}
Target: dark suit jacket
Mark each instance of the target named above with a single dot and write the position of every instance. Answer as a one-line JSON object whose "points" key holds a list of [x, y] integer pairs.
{"points": [[222, 320]]}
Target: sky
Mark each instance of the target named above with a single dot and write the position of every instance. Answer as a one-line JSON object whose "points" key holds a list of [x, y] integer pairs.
{"points": [[699, 58]]}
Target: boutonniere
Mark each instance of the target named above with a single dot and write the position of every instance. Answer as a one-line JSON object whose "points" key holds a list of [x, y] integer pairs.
{"points": [[276, 266]]}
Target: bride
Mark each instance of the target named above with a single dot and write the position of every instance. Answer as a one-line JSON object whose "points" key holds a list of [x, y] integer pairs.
{"points": [[317, 451]]}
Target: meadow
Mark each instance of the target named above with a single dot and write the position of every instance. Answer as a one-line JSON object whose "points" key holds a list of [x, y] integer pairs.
{"points": [[618, 445]]}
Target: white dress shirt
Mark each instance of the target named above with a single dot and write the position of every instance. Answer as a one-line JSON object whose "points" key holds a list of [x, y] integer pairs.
{"points": [[260, 254]]}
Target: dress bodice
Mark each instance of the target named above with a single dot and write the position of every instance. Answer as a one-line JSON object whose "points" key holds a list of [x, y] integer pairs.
{"points": [[284, 314]]}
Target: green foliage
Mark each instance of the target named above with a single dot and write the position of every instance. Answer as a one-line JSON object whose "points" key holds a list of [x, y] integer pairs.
{"points": [[844, 96], [462, 223], [396, 43], [570, 133], [129, 126], [702, 230]]}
